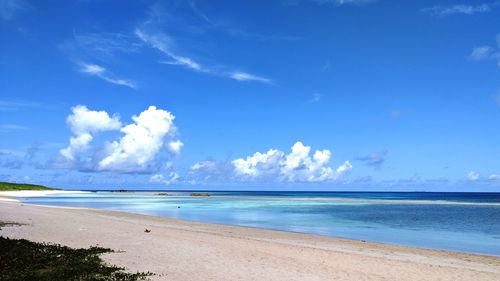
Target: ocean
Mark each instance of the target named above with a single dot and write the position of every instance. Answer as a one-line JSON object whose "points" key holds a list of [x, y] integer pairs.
{"points": [[463, 222]]}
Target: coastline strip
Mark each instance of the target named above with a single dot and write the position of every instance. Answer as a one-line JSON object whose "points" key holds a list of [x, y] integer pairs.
{"points": [[183, 250]]}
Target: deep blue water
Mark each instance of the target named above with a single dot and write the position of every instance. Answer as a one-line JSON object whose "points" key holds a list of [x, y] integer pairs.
{"points": [[467, 222]]}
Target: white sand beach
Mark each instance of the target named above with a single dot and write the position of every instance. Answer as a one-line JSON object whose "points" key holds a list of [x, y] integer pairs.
{"points": [[34, 193], [182, 250]]}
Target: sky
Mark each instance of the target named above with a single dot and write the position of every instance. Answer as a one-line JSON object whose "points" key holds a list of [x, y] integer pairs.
{"points": [[251, 95]]}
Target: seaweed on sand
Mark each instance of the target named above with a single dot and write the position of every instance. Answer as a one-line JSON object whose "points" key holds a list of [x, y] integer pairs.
{"points": [[23, 260]]}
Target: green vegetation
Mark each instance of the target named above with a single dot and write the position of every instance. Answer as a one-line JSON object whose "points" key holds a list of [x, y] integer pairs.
{"points": [[8, 186], [23, 260]]}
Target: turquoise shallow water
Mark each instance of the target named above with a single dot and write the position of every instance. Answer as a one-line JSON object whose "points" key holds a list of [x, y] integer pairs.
{"points": [[466, 222]]}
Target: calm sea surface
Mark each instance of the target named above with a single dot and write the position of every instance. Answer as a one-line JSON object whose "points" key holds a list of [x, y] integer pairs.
{"points": [[466, 222]]}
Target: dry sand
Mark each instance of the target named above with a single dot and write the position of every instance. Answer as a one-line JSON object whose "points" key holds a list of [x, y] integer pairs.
{"points": [[182, 250], [35, 193]]}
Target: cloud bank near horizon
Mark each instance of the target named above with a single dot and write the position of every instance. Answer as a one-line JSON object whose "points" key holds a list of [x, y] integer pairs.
{"points": [[153, 132]]}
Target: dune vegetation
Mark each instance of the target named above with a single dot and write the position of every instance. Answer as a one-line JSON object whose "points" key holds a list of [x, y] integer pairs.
{"points": [[9, 186], [23, 260]]}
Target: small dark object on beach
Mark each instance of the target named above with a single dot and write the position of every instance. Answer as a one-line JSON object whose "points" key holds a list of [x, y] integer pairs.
{"points": [[162, 194], [119, 190], [200, 194], [5, 223], [147, 230]]}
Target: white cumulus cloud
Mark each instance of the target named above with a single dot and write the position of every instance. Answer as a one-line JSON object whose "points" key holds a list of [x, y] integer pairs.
{"points": [[159, 178], [84, 124], [259, 164], [141, 142], [175, 146], [494, 177], [207, 165], [297, 166], [473, 176], [137, 151]]}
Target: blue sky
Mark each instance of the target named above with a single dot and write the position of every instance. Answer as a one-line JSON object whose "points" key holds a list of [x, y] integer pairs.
{"points": [[288, 95]]}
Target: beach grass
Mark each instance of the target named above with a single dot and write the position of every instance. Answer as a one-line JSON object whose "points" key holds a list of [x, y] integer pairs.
{"points": [[23, 260], [9, 186]]}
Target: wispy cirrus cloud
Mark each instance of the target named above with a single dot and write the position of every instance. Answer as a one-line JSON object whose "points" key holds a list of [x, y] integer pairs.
{"points": [[331, 2], [344, 2], [102, 73], [9, 105], [163, 31], [244, 76], [9, 8], [12, 127], [104, 46], [152, 33], [228, 27], [161, 42], [460, 9]]}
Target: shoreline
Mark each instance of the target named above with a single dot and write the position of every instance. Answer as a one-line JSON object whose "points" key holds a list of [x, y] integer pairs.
{"points": [[185, 249], [12, 196]]}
